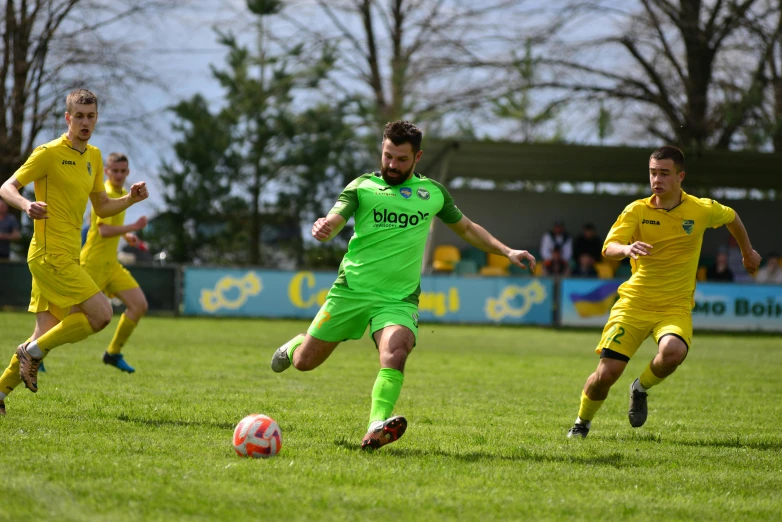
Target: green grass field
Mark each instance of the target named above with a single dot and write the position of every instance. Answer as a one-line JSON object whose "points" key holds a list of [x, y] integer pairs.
{"points": [[488, 411]]}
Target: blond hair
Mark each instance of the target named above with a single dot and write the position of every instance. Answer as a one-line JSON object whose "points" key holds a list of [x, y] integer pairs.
{"points": [[82, 97]]}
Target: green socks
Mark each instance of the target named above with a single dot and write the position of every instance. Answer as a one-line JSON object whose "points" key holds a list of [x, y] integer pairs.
{"points": [[385, 393]]}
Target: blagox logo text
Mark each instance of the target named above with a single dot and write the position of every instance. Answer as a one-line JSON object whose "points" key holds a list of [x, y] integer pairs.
{"points": [[386, 219]]}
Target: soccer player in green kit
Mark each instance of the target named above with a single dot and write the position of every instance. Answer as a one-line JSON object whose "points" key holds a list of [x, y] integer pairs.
{"points": [[379, 279]]}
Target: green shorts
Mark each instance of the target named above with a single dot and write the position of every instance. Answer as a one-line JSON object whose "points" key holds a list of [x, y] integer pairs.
{"points": [[346, 314]]}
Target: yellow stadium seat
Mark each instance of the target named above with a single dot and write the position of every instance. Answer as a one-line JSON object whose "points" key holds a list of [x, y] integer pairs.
{"points": [[604, 270], [489, 270], [445, 258], [498, 261]]}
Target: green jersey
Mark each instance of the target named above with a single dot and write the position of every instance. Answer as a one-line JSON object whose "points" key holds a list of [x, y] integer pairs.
{"points": [[391, 227]]}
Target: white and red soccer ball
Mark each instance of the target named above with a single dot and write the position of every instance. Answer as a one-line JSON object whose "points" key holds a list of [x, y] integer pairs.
{"points": [[257, 436]]}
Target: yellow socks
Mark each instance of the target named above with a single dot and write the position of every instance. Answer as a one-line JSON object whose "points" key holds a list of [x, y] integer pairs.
{"points": [[72, 329], [10, 378], [124, 329], [648, 378], [588, 407]]}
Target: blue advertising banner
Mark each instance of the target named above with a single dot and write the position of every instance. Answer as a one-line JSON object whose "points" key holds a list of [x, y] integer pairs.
{"points": [[267, 293], [718, 306]]}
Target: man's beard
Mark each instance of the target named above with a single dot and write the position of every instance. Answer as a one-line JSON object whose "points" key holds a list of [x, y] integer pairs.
{"points": [[398, 177]]}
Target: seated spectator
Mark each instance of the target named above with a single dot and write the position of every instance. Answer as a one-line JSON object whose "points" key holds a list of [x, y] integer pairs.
{"points": [[720, 270], [588, 243], [771, 272], [556, 237], [556, 265], [585, 266]]}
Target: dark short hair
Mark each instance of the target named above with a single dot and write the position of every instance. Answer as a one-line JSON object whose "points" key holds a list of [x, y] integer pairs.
{"points": [[589, 226], [401, 132], [772, 254], [82, 97], [669, 152], [115, 157]]}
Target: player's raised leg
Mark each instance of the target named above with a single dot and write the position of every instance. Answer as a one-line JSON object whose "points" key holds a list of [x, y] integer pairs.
{"points": [[595, 392], [394, 344], [303, 352], [93, 315], [137, 306], [44, 321], [672, 350]]}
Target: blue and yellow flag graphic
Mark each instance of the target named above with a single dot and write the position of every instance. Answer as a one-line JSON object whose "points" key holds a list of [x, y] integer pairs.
{"points": [[597, 302]]}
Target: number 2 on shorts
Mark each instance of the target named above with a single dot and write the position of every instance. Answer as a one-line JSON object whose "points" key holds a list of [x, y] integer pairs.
{"points": [[615, 338]]}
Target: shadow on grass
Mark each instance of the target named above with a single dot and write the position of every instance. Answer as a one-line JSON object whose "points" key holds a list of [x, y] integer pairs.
{"points": [[615, 460], [159, 423], [732, 442]]}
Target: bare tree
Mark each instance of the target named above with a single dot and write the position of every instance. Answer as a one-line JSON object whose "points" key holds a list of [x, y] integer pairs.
{"points": [[421, 58], [690, 69], [50, 47]]}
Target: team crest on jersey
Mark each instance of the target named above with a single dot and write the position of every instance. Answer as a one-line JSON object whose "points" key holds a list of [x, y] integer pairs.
{"points": [[406, 192], [423, 193], [89, 168], [687, 225]]}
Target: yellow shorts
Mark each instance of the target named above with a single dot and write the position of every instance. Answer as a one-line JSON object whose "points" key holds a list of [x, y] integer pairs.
{"points": [[111, 278], [58, 284], [628, 327]]}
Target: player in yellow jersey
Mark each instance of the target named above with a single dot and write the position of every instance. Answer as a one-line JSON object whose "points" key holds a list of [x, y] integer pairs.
{"points": [[662, 235], [67, 303], [99, 260]]}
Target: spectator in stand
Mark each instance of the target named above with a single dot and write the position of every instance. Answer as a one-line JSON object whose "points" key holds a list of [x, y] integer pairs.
{"points": [[720, 271], [9, 231], [556, 265], [557, 237], [588, 243], [771, 272], [585, 266]]}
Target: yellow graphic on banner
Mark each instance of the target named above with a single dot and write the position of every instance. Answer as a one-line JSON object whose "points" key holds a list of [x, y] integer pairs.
{"points": [[502, 307], [296, 291], [215, 299], [440, 303]]}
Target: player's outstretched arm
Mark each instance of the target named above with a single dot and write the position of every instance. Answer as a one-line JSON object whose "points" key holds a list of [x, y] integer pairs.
{"points": [[325, 228], [104, 206], [618, 251], [112, 231], [10, 193], [749, 257], [479, 237]]}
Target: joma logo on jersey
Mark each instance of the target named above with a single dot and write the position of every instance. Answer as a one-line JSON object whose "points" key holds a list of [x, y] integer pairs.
{"points": [[68, 162], [650, 222], [386, 219]]}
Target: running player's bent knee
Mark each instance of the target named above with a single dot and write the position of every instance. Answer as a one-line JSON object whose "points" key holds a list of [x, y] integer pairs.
{"points": [[673, 350]]}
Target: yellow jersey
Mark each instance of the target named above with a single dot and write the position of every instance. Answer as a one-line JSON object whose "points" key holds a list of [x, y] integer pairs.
{"points": [[665, 279], [97, 250], [64, 179]]}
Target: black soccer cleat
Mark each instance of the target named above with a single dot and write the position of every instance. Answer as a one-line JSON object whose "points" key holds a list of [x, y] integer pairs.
{"points": [[638, 410], [579, 429]]}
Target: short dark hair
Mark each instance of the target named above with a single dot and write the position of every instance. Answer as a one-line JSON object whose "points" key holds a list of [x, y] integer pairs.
{"points": [[82, 97], [116, 156], [669, 152], [401, 132]]}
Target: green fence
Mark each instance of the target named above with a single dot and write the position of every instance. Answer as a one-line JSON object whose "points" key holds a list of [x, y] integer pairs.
{"points": [[161, 285]]}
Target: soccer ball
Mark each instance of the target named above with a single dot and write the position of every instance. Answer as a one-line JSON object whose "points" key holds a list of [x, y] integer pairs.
{"points": [[257, 436]]}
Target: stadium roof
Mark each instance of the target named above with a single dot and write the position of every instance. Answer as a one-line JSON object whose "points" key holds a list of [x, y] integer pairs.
{"points": [[508, 161]]}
